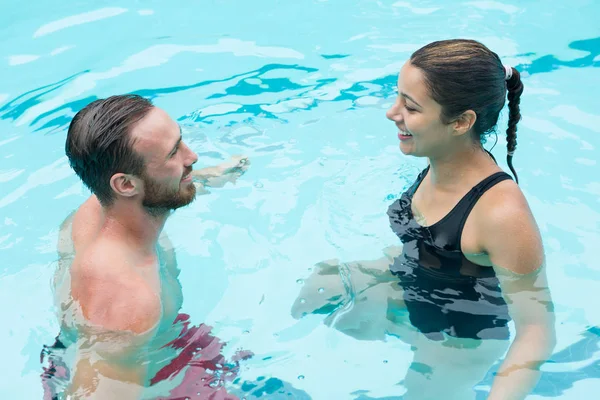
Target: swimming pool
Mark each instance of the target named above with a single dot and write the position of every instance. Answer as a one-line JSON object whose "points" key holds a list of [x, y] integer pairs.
{"points": [[301, 88]]}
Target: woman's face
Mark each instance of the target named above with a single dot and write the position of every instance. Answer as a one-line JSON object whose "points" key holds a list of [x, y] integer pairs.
{"points": [[417, 116]]}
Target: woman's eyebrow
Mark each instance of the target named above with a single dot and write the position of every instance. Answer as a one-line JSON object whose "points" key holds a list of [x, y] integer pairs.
{"points": [[410, 98]]}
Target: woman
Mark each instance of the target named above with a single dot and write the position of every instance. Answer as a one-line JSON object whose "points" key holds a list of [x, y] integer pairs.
{"points": [[472, 257]]}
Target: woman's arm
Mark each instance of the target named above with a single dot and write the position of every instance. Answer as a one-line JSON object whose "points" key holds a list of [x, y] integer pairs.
{"points": [[511, 238], [530, 306], [354, 296]]}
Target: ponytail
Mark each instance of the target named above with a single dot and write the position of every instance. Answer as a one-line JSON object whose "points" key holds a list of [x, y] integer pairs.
{"points": [[515, 89]]}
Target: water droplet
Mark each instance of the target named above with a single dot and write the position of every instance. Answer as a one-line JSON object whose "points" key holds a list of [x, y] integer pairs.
{"points": [[300, 281], [300, 377], [385, 361], [258, 185], [276, 335], [246, 332], [321, 290], [302, 301], [390, 197]]}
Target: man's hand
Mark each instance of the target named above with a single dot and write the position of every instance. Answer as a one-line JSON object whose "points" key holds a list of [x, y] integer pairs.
{"points": [[234, 168], [219, 175]]}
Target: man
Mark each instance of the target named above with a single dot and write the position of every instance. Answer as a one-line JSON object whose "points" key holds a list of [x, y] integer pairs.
{"points": [[116, 282]]}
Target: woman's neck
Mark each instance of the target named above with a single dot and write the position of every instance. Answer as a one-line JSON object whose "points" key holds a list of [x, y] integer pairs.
{"points": [[461, 167]]}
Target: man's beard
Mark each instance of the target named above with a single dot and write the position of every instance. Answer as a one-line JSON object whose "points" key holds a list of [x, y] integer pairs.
{"points": [[159, 199]]}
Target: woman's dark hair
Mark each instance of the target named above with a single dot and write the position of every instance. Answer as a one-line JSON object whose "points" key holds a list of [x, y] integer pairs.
{"points": [[99, 143], [465, 75]]}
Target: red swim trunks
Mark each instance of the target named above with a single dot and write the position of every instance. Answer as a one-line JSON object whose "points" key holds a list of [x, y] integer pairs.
{"points": [[199, 354]]}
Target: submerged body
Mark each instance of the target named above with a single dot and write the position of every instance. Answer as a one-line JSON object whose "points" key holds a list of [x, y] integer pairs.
{"points": [[443, 290], [168, 359], [471, 259], [117, 290]]}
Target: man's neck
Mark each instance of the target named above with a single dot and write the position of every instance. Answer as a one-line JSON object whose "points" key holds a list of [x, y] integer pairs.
{"points": [[135, 225]]}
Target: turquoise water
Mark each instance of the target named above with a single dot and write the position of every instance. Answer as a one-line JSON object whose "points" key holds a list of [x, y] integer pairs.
{"points": [[301, 88]]}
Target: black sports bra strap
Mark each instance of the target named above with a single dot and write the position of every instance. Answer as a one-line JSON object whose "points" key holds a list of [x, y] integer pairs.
{"points": [[474, 195], [411, 191], [490, 181]]}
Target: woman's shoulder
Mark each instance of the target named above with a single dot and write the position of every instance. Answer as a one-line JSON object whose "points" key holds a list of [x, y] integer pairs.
{"points": [[503, 201], [506, 228]]}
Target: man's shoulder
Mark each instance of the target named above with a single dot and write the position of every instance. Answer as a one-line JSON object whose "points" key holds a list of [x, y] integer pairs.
{"points": [[112, 295]]}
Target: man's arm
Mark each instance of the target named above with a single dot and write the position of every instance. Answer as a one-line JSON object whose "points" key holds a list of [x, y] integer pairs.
{"points": [[219, 175], [120, 317], [106, 368]]}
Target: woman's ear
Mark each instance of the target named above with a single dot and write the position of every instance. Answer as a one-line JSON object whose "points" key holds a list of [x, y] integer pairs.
{"points": [[464, 122]]}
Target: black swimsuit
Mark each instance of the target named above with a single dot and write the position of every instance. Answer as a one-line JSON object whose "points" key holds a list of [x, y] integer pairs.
{"points": [[443, 291]]}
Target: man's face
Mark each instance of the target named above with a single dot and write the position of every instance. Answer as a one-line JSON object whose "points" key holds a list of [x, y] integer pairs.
{"points": [[166, 178]]}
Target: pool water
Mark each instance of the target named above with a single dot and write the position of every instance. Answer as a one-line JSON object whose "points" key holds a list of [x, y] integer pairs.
{"points": [[301, 88]]}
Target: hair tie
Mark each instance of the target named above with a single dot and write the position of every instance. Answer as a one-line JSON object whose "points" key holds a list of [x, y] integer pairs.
{"points": [[508, 72]]}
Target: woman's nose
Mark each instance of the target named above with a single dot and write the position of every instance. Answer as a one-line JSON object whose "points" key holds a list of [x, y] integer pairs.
{"points": [[393, 113]]}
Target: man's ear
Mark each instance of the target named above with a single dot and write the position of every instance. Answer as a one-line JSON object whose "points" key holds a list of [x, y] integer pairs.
{"points": [[125, 185], [464, 122]]}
